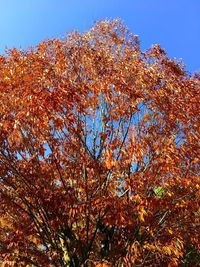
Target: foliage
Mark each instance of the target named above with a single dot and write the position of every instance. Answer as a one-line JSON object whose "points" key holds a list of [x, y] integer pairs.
{"points": [[99, 147], [191, 257], [159, 192]]}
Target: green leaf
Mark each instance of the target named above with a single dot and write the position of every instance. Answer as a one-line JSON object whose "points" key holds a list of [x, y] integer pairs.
{"points": [[159, 192]]}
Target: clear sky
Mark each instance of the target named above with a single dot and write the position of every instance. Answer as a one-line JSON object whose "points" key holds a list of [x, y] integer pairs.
{"points": [[175, 24]]}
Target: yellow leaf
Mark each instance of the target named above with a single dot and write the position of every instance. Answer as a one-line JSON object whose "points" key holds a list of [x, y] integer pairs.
{"points": [[141, 213], [167, 250], [138, 198], [170, 231]]}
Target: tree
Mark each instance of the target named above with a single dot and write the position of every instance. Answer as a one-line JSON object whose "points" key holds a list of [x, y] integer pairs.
{"points": [[98, 153]]}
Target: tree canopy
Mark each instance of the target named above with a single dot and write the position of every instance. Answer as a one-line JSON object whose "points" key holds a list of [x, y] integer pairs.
{"points": [[99, 153]]}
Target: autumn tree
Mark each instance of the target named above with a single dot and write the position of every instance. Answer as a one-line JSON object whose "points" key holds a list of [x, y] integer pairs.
{"points": [[99, 153]]}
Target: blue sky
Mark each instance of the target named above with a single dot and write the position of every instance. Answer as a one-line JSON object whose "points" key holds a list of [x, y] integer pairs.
{"points": [[175, 24]]}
